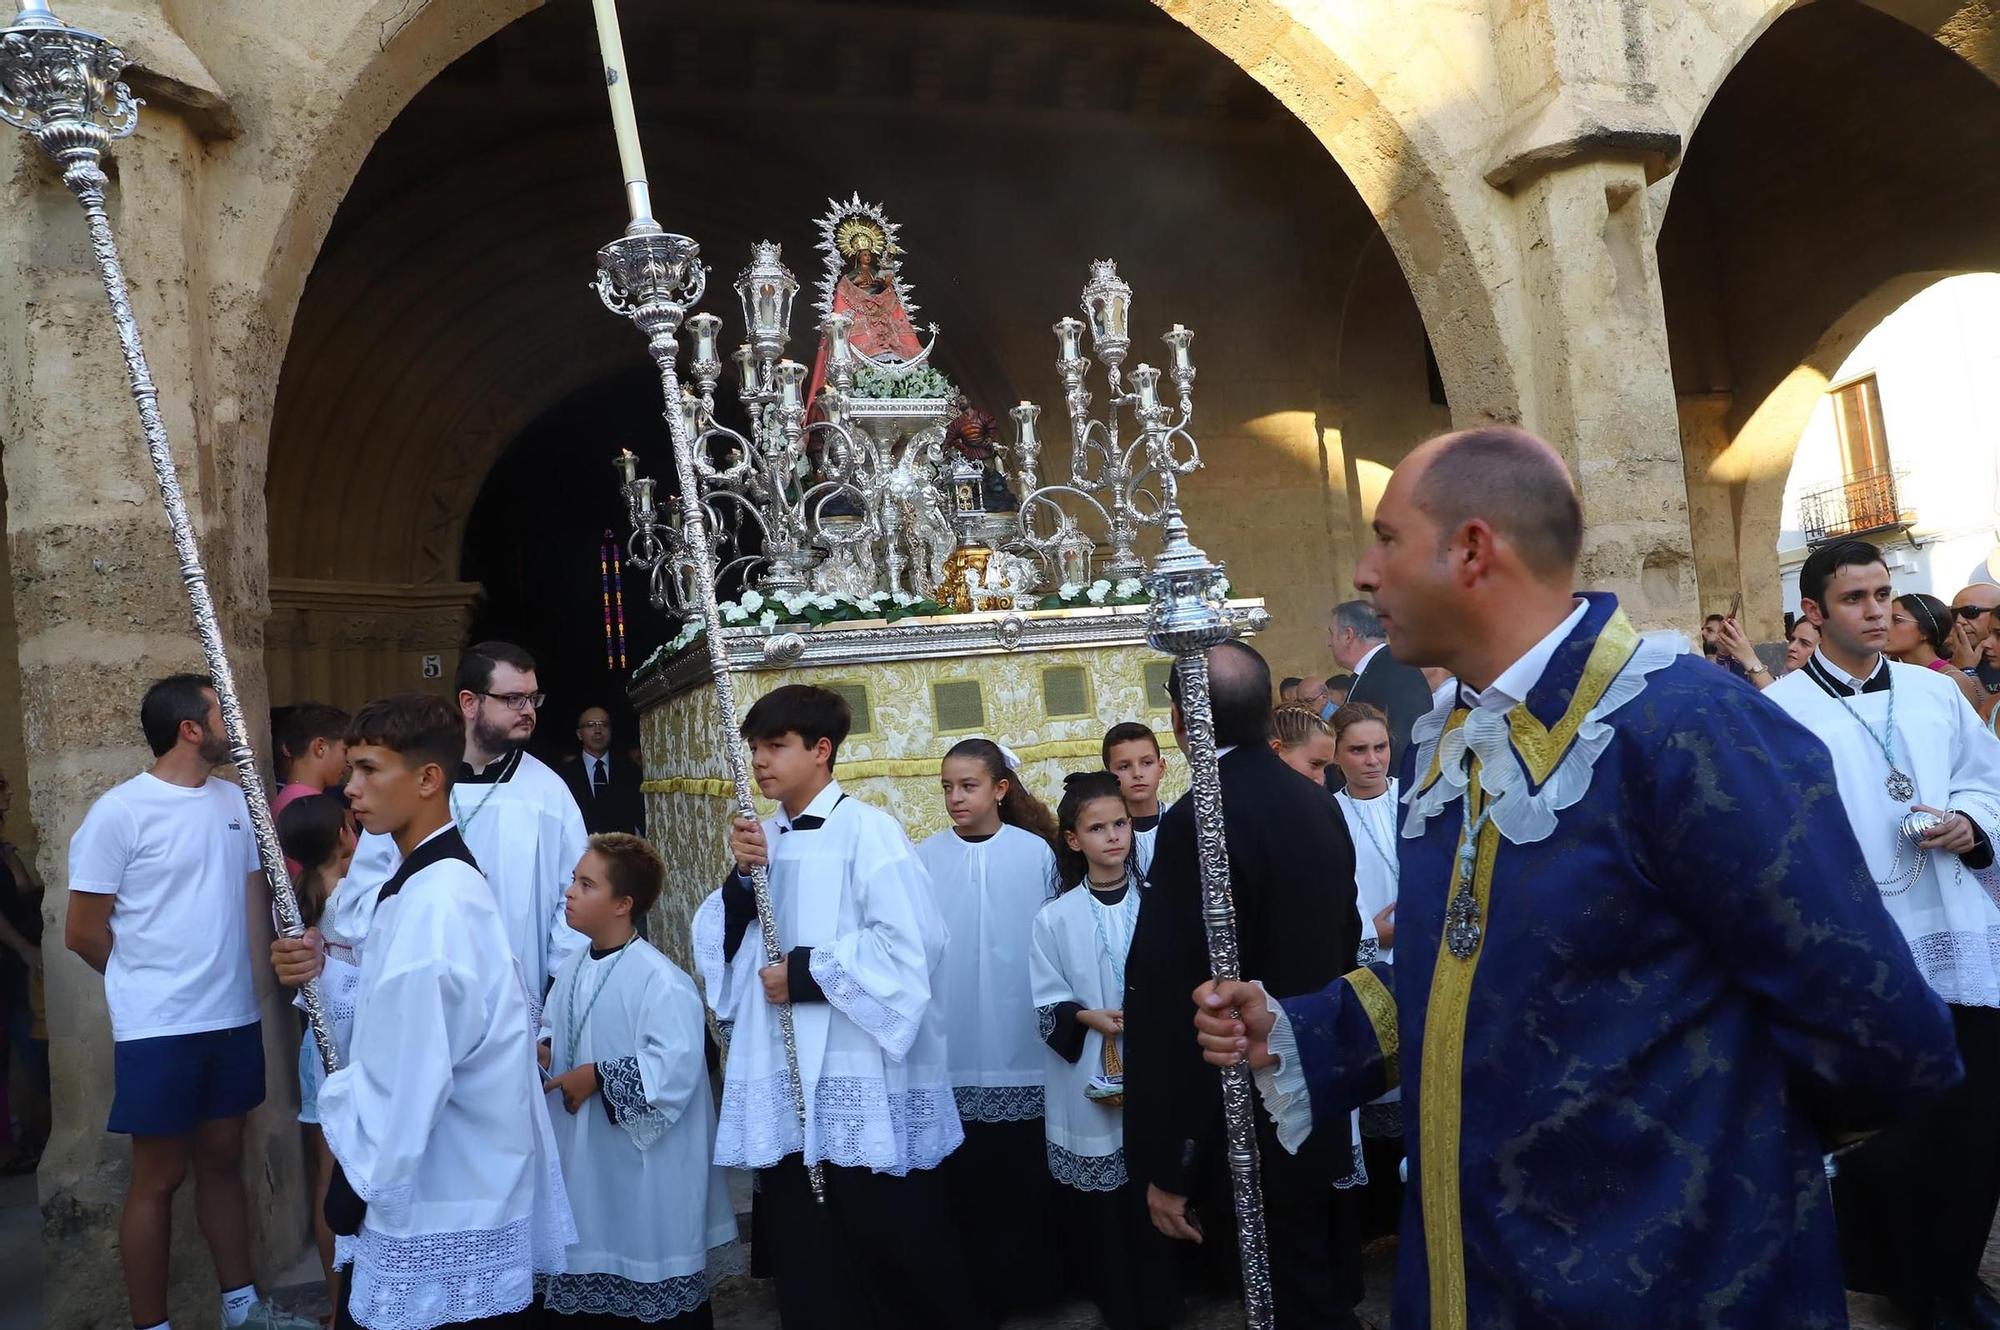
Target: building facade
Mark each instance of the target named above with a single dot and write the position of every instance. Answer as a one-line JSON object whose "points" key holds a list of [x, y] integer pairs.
{"points": [[358, 233]]}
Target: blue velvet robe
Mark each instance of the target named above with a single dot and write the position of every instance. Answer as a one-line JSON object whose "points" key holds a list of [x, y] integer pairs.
{"points": [[1684, 988]]}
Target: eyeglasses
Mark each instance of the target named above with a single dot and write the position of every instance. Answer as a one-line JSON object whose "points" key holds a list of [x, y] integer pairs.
{"points": [[595, 725], [1973, 611], [519, 701]]}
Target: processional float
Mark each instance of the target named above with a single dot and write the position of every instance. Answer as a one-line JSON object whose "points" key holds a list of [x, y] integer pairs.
{"points": [[813, 507], [60, 86]]}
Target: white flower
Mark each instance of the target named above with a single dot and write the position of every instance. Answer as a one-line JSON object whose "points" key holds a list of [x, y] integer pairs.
{"points": [[732, 613], [826, 602], [1101, 585], [1098, 591], [1068, 591], [794, 601], [768, 619], [876, 598], [753, 601], [903, 599], [1128, 587]]}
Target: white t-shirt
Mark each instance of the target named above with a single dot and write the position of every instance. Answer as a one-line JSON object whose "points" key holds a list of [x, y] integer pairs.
{"points": [[176, 858]]}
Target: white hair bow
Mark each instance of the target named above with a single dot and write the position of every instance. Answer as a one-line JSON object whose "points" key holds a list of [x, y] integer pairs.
{"points": [[1008, 755]]}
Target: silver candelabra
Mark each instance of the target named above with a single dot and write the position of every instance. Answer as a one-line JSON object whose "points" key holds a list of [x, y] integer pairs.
{"points": [[1121, 479], [652, 277], [60, 86]]}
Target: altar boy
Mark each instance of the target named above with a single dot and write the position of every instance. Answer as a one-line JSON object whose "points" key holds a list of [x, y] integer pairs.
{"points": [[623, 1045], [861, 936], [447, 1199]]}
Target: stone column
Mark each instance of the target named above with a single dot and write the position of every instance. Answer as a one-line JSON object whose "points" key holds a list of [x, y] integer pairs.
{"points": [[101, 612], [1582, 139]]}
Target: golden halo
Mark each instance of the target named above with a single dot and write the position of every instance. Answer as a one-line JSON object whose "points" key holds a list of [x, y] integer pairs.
{"points": [[858, 233]]}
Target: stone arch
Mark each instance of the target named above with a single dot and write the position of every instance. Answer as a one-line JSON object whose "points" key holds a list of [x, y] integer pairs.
{"points": [[1330, 73], [1795, 228]]}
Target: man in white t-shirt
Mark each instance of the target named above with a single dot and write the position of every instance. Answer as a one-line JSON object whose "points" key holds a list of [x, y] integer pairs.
{"points": [[158, 875]]}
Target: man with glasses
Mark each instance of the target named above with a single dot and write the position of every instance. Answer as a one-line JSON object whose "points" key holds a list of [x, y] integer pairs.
{"points": [[606, 791], [517, 816], [1973, 634]]}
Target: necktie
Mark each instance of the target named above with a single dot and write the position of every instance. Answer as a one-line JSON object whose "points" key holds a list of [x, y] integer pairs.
{"points": [[598, 779]]}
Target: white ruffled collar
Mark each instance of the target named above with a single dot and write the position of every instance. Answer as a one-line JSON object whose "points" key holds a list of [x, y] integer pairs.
{"points": [[1529, 773]]}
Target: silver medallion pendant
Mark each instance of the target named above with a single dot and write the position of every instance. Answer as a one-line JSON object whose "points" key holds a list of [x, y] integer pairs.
{"points": [[1901, 788], [1461, 922]]}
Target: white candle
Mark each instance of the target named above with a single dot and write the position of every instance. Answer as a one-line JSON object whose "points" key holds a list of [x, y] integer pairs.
{"points": [[624, 121]]}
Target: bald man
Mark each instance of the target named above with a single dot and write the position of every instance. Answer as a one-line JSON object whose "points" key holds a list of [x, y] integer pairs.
{"points": [[606, 787], [1976, 635], [1291, 870], [1643, 976]]}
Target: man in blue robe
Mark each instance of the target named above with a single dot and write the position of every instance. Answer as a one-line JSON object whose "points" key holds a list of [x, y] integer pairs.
{"points": [[1643, 979]]}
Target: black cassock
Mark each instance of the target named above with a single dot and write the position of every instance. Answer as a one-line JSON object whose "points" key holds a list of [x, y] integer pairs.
{"points": [[1291, 866]]}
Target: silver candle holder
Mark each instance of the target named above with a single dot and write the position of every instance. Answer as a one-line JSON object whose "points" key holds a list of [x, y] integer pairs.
{"points": [[651, 277], [60, 86], [1119, 479]]}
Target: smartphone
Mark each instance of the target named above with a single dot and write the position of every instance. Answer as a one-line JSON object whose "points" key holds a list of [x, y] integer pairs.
{"points": [[1736, 607]]}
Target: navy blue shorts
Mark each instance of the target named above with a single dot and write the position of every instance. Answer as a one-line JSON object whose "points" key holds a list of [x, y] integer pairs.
{"points": [[170, 1085]]}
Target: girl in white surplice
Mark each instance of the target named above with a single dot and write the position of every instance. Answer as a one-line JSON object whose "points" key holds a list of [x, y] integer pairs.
{"points": [[992, 870], [1077, 965]]}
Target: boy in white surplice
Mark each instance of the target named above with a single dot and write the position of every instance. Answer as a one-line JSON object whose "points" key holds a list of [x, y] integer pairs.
{"points": [[622, 1040], [447, 1199], [860, 936]]}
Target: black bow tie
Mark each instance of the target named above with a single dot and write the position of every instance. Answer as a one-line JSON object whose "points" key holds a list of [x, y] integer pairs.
{"points": [[804, 822]]}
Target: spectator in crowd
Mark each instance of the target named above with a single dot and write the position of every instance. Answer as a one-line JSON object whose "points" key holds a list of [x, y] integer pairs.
{"points": [[1288, 688], [1359, 644], [606, 791], [310, 739], [1976, 638], [158, 875], [1800, 643], [1733, 649], [1920, 633]]}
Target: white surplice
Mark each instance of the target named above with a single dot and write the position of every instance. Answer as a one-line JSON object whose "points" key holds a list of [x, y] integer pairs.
{"points": [[1142, 846], [1948, 914], [1371, 823], [988, 893], [636, 1157], [526, 833], [437, 1117], [872, 1055], [1077, 954]]}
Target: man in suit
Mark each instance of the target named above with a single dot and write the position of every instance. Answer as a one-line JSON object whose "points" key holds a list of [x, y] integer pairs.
{"points": [[1291, 867], [606, 791], [1356, 639]]}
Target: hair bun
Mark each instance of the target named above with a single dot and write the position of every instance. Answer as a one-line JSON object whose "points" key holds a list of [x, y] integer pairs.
{"points": [[1073, 777]]}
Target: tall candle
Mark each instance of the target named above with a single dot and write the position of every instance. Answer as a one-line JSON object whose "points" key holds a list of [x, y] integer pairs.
{"points": [[624, 121]]}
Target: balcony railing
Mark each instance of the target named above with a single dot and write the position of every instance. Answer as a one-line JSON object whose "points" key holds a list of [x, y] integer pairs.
{"points": [[1863, 504]]}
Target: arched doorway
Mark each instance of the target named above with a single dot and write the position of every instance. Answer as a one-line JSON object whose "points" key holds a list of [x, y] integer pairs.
{"points": [[446, 342], [1847, 161]]}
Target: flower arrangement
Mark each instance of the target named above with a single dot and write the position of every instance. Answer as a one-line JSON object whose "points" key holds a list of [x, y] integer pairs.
{"points": [[807, 607], [1070, 595]]}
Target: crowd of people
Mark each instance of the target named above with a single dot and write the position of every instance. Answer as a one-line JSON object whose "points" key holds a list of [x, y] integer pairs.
{"points": [[1679, 950]]}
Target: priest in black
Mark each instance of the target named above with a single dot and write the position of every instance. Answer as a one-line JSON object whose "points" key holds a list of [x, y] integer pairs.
{"points": [[606, 787], [1291, 867]]}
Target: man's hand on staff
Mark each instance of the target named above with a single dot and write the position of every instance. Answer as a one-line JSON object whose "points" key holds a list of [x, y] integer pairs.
{"points": [[1233, 1020], [777, 980], [746, 842], [298, 960]]}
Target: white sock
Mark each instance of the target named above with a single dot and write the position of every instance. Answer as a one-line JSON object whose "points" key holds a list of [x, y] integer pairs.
{"points": [[236, 1304]]}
